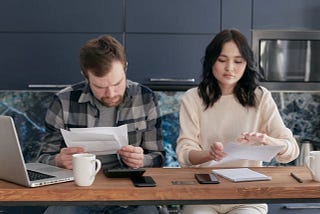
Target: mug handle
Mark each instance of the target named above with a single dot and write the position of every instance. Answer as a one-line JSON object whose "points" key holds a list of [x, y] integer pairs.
{"points": [[98, 166], [307, 163]]}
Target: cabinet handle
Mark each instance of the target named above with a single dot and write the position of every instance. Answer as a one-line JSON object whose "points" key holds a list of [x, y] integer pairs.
{"points": [[171, 80], [299, 207], [46, 86]]}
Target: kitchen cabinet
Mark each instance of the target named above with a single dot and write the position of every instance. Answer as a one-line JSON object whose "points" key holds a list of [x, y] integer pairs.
{"points": [[40, 40], [294, 208], [40, 60], [165, 40], [286, 14], [233, 17], [177, 16], [175, 58], [60, 16]]}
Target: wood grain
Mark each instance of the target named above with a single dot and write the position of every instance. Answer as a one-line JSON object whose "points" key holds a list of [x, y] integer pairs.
{"points": [[282, 188]]}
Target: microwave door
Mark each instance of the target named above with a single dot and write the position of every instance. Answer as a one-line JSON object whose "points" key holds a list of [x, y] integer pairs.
{"points": [[284, 60]]}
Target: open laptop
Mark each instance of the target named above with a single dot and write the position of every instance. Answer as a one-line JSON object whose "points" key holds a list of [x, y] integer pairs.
{"points": [[13, 167]]}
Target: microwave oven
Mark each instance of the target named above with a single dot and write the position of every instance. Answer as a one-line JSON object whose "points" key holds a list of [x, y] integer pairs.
{"points": [[288, 59]]}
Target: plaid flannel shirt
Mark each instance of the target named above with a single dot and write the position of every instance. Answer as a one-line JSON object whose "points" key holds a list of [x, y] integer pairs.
{"points": [[73, 107]]}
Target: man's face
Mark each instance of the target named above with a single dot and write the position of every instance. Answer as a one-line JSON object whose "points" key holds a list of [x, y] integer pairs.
{"points": [[109, 89]]}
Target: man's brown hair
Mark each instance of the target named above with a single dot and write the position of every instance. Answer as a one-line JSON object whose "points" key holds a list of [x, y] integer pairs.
{"points": [[98, 55]]}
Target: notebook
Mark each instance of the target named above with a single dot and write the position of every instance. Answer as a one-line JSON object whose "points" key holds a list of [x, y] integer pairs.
{"points": [[241, 174], [13, 167]]}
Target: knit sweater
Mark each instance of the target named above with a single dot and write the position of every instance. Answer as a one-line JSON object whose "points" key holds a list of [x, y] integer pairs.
{"points": [[225, 121]]}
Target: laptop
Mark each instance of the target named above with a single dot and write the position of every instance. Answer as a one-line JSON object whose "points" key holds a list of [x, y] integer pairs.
{"points": [[15, 170]]}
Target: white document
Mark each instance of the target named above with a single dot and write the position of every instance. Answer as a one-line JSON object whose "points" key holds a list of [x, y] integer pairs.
{"points": [[97, 140], [237, 151], [241, 174]]}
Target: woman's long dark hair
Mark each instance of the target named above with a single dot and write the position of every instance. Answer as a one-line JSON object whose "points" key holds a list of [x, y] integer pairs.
{"points": [[209, 89]]}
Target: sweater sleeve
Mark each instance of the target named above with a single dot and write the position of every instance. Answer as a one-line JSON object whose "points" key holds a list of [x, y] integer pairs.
{"points": [[189, 127], [273, 126]]}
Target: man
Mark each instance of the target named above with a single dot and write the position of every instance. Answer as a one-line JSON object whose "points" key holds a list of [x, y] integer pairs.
{"points": [[105, 98]]}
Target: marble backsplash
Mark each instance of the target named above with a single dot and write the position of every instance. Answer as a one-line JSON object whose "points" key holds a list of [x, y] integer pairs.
{"points": [[299, 110]]}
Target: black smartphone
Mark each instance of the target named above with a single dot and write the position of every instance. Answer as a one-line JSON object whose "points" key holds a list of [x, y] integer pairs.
{"points": [[123, 172], [143, 181], [207, 178]]}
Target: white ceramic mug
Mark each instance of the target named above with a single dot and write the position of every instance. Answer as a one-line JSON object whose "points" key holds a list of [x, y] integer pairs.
{"points": [[85, 167], [312, 161]]}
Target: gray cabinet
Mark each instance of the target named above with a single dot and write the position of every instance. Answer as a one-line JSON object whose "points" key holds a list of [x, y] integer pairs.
{"points": [[173, 16], [40, 60], [286, 14], [80, 16], [40, 40], [294, 208], [165, 61], [234, 17], [165, 40]]}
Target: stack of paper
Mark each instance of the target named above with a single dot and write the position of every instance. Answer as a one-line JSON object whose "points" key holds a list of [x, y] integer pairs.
{"points": [[97, 140], [241, 174]]}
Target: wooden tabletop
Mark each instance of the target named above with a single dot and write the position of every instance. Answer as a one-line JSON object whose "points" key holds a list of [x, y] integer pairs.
{"points": [[121, 191]]}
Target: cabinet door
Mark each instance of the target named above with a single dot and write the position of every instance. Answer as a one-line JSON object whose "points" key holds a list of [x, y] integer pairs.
{"points": [[173, 16], [40, 40], [40, 60], [286, 14], [168, 60], [61, 16], [237, 14]]}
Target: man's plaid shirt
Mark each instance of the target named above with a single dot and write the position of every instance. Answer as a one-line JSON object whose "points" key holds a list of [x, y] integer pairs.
{"points": [[74, 107]]}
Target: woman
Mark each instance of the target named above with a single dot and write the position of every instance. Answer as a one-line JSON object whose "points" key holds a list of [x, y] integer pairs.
{"points": [[227, 106]]}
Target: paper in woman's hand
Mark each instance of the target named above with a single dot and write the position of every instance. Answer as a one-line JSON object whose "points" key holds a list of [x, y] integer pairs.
{"points": [[237, 151]]}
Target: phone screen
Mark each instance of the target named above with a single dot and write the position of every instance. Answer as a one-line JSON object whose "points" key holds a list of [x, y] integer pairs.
{"points": [[143, 181], [207, 178]]}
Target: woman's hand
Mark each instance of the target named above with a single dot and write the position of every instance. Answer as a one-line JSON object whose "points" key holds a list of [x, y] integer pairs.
{"points": [[253, 138], [256, 138], [216, 151]]}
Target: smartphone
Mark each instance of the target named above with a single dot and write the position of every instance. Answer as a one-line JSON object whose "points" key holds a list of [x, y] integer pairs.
{"points": [[207, 178], [143, 181], [123, 172]]}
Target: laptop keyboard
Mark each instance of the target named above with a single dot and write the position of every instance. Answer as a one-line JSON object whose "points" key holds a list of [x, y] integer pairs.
{"points": [[33, 176]]}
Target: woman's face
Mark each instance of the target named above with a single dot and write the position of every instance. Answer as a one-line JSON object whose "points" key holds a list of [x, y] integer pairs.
{"points": [[229, 67]]}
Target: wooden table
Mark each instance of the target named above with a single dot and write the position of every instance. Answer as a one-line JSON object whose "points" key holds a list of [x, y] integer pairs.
{"points": [[120, 191]]}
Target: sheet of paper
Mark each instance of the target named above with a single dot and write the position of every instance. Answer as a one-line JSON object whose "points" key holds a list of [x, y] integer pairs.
{"points": [[120, 133], [241, 174], [237, 151], [97, 140]]}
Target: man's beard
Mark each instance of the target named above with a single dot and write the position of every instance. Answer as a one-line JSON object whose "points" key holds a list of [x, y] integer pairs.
{"points": [[113, 102]]}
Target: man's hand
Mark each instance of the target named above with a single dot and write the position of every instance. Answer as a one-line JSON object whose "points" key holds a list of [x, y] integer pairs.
{"points": [[132, 156], [64, 158]]}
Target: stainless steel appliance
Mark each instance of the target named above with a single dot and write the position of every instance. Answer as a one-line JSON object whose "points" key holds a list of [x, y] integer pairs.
{"points": [[288, 59]]}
